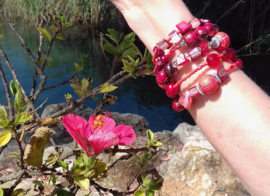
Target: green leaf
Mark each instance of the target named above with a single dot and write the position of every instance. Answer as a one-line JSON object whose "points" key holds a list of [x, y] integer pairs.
{"points": [[150, 135], [127, 42], [130, 52], [18, 192], [45, 34], [98, 170], [60, 36], [14, 87], [77, 164], [114, 35], [34, 150], [53, 29], [77, 90], [86, 88], [110, 48], [52, 179], [96, 99], [68, 97], [1, 25], [19, 100], [63, 164], [63, 18], [89, 161], [63, 193], [38, 183], [1, 35], [106, 88], [5, 137], [22, 118], [139, 193], [78, 68], [82, 181], [67, 24], [155, 143], [130, 68], [149, 193], [3, 118], [11, 102]]}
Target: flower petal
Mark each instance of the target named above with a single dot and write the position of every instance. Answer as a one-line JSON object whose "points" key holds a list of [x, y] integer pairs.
{"points": [[85, 144], [125, 133], [108, 126], [76, 124], [102, 140]]}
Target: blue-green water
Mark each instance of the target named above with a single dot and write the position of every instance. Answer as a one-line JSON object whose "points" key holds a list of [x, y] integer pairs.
{"points": [[141, 96]]}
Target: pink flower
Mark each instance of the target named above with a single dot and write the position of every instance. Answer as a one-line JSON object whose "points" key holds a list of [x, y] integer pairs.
{"points": [[98, 134]]}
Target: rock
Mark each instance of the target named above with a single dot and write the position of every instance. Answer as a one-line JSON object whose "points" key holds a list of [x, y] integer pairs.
{"points": [[198, 166]]}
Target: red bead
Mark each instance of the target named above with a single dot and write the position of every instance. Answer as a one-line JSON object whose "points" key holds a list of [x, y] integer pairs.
{"points": [[183, 27], [175, 37], [190, 38], [157, 52], [195, 23], [208, 84], [226, 54], [210, 29], [234, 53], [193, 92], [222, 74], [185, 100], [181, 59], [201, 33], [204, 21], [169, 70], [162, 86], [213, 60], [163, 44], [164, 59], [204, 49], [195, 53], [176, 106], [161, 78], [239, 63], [170, 91], [224, 41]]}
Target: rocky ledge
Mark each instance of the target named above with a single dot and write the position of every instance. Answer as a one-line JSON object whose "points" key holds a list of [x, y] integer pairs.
{"points": [[187, 161]]}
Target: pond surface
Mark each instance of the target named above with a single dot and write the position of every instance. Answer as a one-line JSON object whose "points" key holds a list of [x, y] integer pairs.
{"points": [[140, 96]]}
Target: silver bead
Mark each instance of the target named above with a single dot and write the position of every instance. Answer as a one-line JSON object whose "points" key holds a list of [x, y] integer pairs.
{"points": [[215, 42]]}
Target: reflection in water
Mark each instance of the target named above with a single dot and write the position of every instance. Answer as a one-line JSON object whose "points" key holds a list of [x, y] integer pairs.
{"points": [[141, 96]]}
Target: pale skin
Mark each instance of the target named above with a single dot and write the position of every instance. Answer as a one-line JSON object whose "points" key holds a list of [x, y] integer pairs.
{"points": [[235, 119]]}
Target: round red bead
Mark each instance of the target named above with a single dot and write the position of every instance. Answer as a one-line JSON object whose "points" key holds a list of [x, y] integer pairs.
{"points": [[233, 57], [239, 63], [190, 38], [208, 84], [164, 59], [201, 33], [226, 54], [224, 41], [161, 78], [176, 106], [171, 91], [213, 60], [210, 29]]}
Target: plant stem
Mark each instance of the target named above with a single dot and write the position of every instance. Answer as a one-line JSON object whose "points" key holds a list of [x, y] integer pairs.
{"points": [[20, 148]]}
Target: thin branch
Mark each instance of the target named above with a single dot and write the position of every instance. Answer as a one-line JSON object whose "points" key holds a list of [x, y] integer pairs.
{"points": [[135, 150], [20, 148], [12, 176], [42, 66], [62, 83], [19, 176], [5, 84], [41, 105], [39, 52], [4, 55]]}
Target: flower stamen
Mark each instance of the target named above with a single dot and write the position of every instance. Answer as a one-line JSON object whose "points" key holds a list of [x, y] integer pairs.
{"points": [[99, 122]]}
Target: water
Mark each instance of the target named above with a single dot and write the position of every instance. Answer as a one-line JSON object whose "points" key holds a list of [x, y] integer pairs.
{"points": [[140, 96]]}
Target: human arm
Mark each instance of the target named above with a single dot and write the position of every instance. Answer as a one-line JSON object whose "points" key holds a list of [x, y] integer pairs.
{"points": [[235, 119]]}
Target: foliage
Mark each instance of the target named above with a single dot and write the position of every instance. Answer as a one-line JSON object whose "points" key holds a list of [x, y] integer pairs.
{"points": [[149, 186]]}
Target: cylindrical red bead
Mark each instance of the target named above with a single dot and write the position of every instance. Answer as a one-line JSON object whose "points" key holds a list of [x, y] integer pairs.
{"points": [[201, 33], [190, 38], [208, 84], [204, 49], [210, 29], [226, 54], [161, 78], [177, 107], [170, 91], [213, 60]]}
